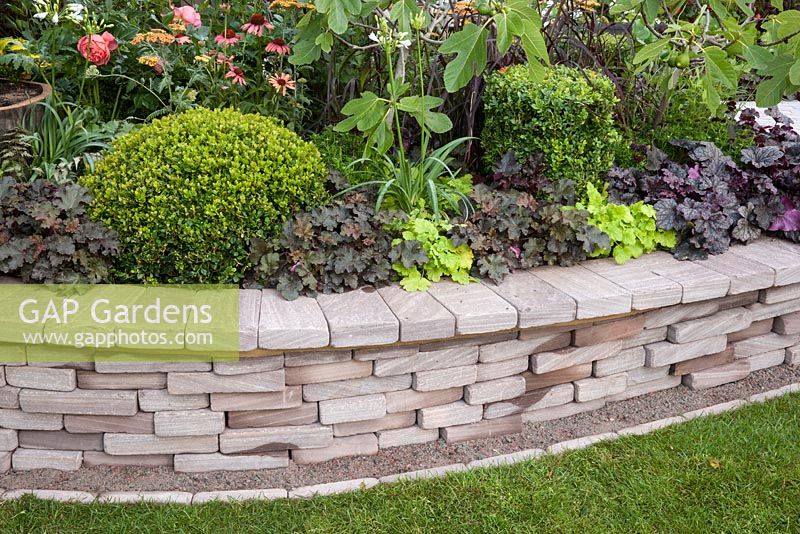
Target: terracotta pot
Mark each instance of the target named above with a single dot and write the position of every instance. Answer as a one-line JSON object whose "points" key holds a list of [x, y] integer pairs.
{"points": [[12, 115]]}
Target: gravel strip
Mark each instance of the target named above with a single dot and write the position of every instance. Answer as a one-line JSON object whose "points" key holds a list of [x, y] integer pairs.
{"points": [[611, 418]]}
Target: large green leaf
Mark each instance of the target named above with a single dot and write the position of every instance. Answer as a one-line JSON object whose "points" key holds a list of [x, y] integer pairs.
{"points": [[719, 69], [402, 12], [306, 50], [789, 23], [364, 113], [770, 92], [469, 45], [421, 108], [650, 51], [338, 12]]}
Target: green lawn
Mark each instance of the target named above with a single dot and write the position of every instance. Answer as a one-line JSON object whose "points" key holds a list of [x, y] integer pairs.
{"points": [[738, 472]]}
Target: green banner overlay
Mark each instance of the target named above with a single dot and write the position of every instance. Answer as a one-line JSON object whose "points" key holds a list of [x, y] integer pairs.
{"points": [[118, 323]]}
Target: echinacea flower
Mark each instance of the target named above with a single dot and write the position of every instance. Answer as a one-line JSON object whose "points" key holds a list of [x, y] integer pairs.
{"points": [[278, 46], [236, 76], [257, 24], [282, 82], [228, 37], [187, 14]]}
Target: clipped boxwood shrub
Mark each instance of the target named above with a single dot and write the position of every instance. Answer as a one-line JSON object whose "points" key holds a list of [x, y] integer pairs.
{"points": [[187, 193], [568, 117]]}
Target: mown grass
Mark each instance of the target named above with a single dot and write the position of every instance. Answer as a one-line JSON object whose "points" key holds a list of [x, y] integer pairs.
{"points": [[738, 472]]}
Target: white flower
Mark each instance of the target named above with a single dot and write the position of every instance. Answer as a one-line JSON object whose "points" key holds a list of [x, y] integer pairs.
{"points": [[76, 9], [40, 16], [405, 43], [374, 37], [55, 18]]}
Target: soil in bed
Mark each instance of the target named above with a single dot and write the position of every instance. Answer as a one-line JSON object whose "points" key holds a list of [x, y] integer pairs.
{"points": [[614, 416], [15, 92]]}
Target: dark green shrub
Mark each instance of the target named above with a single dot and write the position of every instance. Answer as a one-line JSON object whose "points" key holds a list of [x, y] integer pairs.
{"points": [[188, 193], [47, 237], [568, 117]]}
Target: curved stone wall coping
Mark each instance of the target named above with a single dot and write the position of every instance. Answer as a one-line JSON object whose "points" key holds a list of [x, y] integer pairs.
{"points": [[541, 297]]}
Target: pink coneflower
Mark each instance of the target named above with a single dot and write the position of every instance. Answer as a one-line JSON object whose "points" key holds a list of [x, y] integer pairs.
{"points": [[182, 39], [257, 24], [236, 76], [221, 58], [281, 83], [278, 46], [229, 37]]}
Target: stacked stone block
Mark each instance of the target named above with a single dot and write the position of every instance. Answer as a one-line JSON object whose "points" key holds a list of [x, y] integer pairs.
{"points": [[458, 363]]}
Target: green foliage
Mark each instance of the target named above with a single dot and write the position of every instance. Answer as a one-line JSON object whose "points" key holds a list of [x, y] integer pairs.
{"points": [[631, 229], [424, 254], [46, 235], [568, 117], [335, 247], [340, 151], [188, 193]]}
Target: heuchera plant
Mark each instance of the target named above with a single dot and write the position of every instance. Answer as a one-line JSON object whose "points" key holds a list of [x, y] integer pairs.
{"points": [[631, 229], [46, 235], [710, 200]]}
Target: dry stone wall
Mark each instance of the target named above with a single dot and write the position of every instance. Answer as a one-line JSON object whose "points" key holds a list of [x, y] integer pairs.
{"points": [[351, 374]]}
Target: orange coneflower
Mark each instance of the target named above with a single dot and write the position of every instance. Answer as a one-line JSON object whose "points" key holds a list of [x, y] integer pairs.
{"points": [[278, 46], [282, 82], [257, 24]]}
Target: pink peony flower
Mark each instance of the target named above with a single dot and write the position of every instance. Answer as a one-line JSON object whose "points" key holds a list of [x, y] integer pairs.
{"points": [[229, 37], [97, 48], [257, 25], [187, 14]]}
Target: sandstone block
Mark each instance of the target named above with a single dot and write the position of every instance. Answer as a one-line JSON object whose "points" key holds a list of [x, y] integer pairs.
{"points": [[203, 463], [387, 422], [333, 488], [41, 378], [8, 439], [93, 380], [776, 295], [116, 367], [135, 444], [494, 390], [304, 414], [579, 443], [160, 400], [456, 413], [253, 440], [716, 409], [19, 420], [421, 316], [83, 497], [483, 429], [595, 296], [533, 400], [141, 423], [297, 324], [351, 409], [409, 399], [291, 397], [765, 311], [421, 474], [93, 458], [560, 376], [665, 353], [192, 383], [761, 344], [716, 376], [385, 353], [647, 428], [330, 372], [30, 459], [135, 497], [723, 322], [9, 397], [296, 359], [793, 355], [445, 378], [355, 387], [703, 362], [651, 335], [60, 440], [427, 361], [766, 360], [249, 365], [5, 461], [477, 308], [507, 459], [590, 389], [359, 318], [646, 374], [758, 328], [492, 371], [79, 402], [546, 362], [239, 495], [624, 361], [537, 302], [608, 331], [675, 314], [202, 422], [559, 412], [635, 390], [516, 348], [406, 436], [745, 274], [788, 324], [361, 445]]}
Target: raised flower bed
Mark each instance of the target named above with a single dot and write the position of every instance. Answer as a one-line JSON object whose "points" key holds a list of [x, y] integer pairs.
{"points": [[347, 375]]}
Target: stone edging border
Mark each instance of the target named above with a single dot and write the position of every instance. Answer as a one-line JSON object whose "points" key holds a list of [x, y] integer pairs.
{"points": [[344, 486]]}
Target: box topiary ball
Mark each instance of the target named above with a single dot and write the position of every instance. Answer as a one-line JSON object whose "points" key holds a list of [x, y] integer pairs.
{"points": [[188, 192]]}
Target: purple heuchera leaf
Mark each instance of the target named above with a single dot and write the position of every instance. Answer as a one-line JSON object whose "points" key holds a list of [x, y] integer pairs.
{"points": [[789, 221]]}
